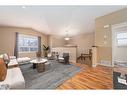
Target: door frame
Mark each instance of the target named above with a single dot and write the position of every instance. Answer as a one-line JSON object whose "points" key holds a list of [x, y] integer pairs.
{"points": [[113, 28]]}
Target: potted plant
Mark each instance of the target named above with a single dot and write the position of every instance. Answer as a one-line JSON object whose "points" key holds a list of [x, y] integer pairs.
{"points": [[46, 50]]}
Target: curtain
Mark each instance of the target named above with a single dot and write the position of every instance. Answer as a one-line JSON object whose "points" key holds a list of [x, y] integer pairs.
{"points": [[16, 44], [39, 44]]}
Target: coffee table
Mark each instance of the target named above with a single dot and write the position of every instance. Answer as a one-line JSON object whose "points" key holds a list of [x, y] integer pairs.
{"points": [[39, 64]]}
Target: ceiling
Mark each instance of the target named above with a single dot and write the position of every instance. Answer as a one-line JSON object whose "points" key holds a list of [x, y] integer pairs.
{"points": [[54, 20]]}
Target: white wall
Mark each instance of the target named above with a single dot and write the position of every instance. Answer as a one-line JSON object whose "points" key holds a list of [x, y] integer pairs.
{"points": [[56, 41], [84, 42], [7, 39]]}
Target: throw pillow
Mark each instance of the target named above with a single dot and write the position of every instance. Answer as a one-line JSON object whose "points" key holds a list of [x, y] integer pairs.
{"points": [[1, 56], [3, 70], [6, 59]]}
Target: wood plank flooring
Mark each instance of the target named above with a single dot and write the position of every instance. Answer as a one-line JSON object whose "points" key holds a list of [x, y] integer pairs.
{"points": [[99, 77]]}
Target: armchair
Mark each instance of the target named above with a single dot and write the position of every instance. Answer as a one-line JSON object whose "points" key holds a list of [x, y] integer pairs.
{"points": [[64, 59], [50, 56]]}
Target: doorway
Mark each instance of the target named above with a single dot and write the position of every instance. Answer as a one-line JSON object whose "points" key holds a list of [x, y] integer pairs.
{"points": [[119, 44]]}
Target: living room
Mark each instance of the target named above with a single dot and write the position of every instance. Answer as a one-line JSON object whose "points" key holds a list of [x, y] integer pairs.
{"points": [[61, 47]]}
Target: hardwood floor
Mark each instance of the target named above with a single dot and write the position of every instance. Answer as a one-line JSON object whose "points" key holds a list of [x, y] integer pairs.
{"points": [[99, 77]]}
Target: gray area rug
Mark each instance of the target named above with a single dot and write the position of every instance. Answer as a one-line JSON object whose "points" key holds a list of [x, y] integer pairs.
{"points": [[54, 75]]}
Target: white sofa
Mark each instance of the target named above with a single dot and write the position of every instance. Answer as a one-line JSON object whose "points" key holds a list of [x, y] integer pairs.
{"points": [[14, 77]]}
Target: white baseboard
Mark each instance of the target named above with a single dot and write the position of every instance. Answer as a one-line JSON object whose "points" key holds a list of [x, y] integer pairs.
{"points": [[106, 65]]}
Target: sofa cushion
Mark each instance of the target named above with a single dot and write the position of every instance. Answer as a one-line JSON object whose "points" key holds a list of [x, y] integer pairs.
{"points": [[13, 63], [3, 70], [14, 79], [12, 57]]}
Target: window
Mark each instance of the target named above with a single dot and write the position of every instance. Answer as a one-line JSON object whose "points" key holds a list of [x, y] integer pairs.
{"points": [[27, 43], [122, 39]]}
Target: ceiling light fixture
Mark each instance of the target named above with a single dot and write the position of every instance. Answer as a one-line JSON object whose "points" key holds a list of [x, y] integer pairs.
{"points": [[67, 37], [23, 7]]}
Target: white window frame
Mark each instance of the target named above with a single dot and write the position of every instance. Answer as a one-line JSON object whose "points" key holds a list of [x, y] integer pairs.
{"points": [[27, 36], [117, 44]]}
